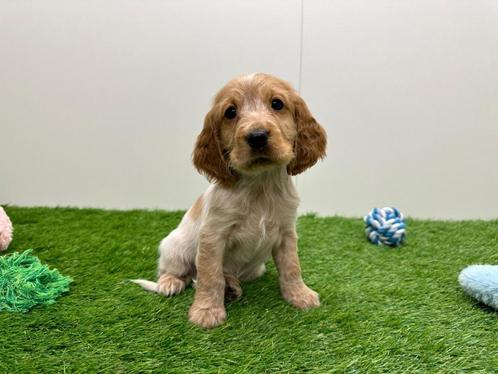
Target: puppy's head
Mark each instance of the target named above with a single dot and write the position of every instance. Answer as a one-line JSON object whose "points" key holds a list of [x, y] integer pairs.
{"points": [[257, 122]]}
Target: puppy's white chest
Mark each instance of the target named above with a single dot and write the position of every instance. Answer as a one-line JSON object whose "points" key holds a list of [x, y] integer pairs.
{"points": [[256, 232], [251, 243], [256, 217]]}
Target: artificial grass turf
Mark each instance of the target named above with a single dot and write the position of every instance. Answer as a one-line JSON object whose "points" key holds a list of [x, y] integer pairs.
{"points": [[383, 310]]}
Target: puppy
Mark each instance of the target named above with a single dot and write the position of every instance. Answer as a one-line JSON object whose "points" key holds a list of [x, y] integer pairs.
{"points": [[258, 134]]}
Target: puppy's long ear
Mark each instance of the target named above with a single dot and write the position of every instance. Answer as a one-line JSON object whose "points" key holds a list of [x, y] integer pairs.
{"points": [[209, 156], [311, 140]]}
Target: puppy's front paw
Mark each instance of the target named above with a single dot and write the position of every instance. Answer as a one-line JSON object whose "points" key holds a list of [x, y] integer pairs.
{"points": [[302, 297], [207, 317]]}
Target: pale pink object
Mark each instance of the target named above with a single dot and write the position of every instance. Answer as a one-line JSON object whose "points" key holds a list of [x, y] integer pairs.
{"points": [[5, 230]]}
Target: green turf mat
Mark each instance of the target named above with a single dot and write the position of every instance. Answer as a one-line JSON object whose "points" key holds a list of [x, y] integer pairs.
{"points": [[383, 310]]}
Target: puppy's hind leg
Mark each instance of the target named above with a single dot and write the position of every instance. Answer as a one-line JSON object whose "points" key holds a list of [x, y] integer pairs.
{"points": [[169, 284], [233, 291], [176, 265]]}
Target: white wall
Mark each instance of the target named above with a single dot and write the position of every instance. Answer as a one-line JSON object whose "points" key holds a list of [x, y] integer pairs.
{"points": [[100, 101], [409, 90]]}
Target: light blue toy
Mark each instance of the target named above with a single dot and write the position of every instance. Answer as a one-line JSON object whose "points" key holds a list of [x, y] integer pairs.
{"points": [[385, 226], [481, 282]]}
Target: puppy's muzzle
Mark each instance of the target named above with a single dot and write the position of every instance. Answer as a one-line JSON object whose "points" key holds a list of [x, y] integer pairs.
{"points": [[258, 139]]}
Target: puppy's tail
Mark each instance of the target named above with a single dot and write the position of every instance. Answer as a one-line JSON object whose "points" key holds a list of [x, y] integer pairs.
{"points": [[146, 285]]}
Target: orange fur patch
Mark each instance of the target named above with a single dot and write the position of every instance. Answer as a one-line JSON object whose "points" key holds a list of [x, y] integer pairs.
{"points": [[196, 209]]}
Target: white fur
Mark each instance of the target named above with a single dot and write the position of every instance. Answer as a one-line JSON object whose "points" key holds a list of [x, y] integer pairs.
{"points": [[146, 285], [249, 77]]}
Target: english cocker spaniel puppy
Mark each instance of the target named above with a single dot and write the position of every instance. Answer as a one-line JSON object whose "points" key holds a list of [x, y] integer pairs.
{"points": [[258, 134]]}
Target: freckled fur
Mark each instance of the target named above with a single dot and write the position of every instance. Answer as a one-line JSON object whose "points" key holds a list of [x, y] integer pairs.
{"points": [[248, 213]]}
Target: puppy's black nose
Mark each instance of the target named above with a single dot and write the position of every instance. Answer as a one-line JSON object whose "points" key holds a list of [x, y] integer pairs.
{"points": [[257, 139]]}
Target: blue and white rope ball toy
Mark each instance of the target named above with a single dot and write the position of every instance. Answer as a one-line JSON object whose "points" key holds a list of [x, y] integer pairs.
{"points": [[385, 226]]}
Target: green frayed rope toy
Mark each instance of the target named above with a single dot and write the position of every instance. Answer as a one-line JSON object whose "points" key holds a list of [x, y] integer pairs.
{"points": [[26, 282]]}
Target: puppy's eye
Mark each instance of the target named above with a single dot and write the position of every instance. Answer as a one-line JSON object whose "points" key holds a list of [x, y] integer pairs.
{"points": [[277, 104], [231, 112]]}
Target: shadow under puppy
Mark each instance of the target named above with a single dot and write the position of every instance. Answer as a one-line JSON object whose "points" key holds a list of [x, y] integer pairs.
{"points": [[258, 133]]}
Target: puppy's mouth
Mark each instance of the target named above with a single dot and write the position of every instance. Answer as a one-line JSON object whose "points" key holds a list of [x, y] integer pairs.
{"points": [[261, 161]]}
